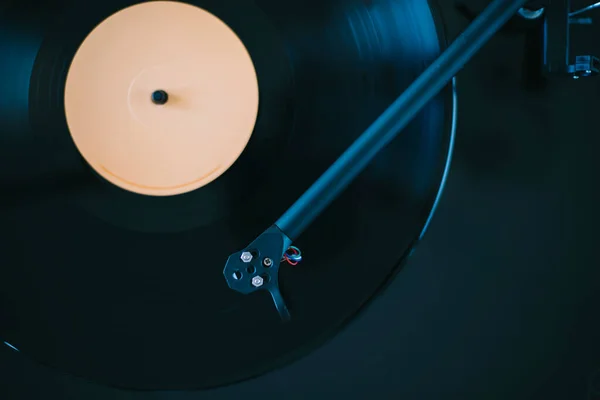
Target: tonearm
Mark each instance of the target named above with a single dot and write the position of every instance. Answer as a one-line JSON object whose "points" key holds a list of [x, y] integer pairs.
{"points": [[264, 255]]}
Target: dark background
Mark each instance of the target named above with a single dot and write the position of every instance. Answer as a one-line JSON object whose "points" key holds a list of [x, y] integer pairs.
{"points": [[500, 301]]}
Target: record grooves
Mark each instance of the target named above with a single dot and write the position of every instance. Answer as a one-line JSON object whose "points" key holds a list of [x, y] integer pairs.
{"points": [[134, 282]]}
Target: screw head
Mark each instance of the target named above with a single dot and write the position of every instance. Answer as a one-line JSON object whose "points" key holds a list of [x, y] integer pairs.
{"points": [[267, 262], [246, 256], [257, 281]]}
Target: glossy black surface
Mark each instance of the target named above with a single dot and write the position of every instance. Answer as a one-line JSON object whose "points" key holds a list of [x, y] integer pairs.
{"points": [[127, 290]]}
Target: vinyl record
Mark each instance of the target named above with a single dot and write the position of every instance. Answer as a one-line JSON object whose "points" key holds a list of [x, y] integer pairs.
{"points": [[119, 205]]}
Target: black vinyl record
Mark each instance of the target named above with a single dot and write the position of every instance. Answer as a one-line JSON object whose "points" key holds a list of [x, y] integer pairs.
{"points": [[128, 290]]}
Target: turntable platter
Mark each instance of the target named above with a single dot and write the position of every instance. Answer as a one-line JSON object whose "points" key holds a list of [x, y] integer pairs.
{"points": [[120, 280]]}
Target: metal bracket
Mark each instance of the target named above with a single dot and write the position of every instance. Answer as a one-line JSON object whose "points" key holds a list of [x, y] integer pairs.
{"points": [[584, 66], [558, 19], [547, 23]]}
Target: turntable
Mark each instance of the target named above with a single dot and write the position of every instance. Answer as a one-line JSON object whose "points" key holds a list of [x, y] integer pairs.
{"points": [[197, 193]]}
